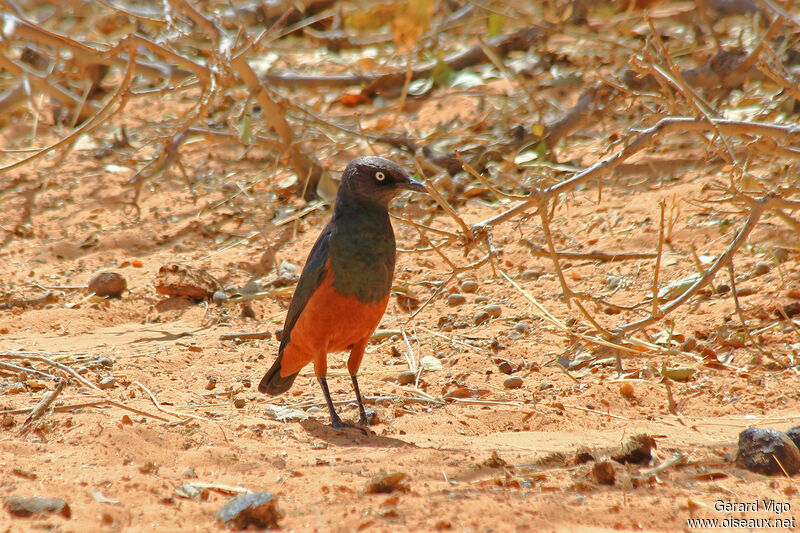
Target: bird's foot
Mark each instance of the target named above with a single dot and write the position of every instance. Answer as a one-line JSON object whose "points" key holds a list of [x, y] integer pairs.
{"points": [[339, 424]]}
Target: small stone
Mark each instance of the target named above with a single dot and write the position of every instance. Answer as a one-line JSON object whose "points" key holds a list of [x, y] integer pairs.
{"points": [[481, 299], [505, 367], [279, 334], [126, 420], [612, 282], [603, 472], [544, 385], [494, 310], [522, 328], [219, 297], [723, 288], [529, 275], [8, 421], [480, 317], [513, 382], [238, 403], [106, 362], [24, 507], [108, 284], [212, 383], [761, 268], [407, 377], [189, 473], [456, 299], [257, 509], [287, 268], [430, 363], [794, 435], [246, 383], [107, 383], [514, 335], [461, 325], [469, 286], [767, 451]]}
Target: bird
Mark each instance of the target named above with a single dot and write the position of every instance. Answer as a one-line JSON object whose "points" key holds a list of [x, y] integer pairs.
{"points": [[344, 287]]}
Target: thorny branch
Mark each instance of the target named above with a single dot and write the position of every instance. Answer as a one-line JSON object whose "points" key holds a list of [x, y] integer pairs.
{"points": [[673, 98]]}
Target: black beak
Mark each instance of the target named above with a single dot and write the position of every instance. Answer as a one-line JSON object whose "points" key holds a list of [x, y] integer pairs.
{"points": [[412, 185]]}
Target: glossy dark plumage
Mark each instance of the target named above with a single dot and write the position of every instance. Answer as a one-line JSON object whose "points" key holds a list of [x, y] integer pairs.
{"points": [[344, 287]]}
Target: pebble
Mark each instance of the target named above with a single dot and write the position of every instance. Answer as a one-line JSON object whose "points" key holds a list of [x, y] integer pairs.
{"points": [[212, 382], [544, 385], [279, 334], [760, 450], [723, 288], [480, 317], [481, 299], [794, 435], [430, 363], [238, 403], [107, 382], [37, 506], [406, 377], [469, 286], [513, 382], [461, 325], [514, 335], [529, 275], [189, 473], [505, 367], [494, 310], [108, 284], [257, 509], [612, 282], [219, 297], [456, 299], [286, 268], [761, 268], [522, 328]]}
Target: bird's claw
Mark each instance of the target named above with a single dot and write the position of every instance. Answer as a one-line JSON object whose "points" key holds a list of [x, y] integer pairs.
{"points": [[338, 424]]}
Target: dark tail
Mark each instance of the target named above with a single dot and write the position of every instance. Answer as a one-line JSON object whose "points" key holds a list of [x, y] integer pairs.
{"points": [[272, 383]]}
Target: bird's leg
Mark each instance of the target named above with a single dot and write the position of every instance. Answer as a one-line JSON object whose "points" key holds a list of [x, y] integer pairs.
{"points": [[362, 414], [336, 422]]}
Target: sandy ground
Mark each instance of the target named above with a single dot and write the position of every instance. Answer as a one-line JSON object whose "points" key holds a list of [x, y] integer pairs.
{"points": [[477, 456]]}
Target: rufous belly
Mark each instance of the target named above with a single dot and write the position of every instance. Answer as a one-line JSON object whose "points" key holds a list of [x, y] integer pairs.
{"points": [[329, 323]]}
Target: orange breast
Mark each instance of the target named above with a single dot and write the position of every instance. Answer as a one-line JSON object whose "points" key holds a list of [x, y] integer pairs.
{"points": [[329, 323]]}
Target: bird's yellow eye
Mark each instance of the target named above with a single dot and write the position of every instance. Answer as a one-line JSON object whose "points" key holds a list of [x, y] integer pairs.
{"points": [[380, 176]]}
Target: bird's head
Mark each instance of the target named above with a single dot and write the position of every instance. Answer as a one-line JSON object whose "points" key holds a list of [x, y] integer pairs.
{"points": [[375, 180]]}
